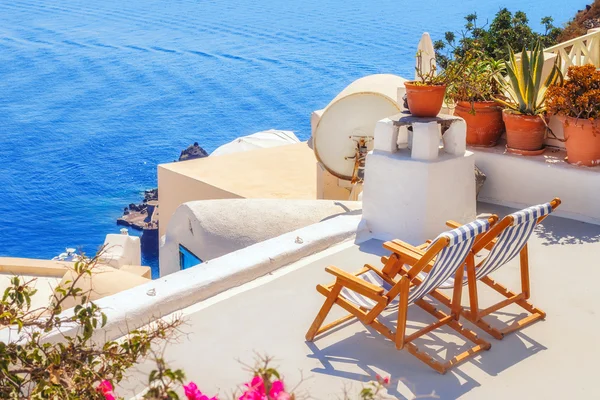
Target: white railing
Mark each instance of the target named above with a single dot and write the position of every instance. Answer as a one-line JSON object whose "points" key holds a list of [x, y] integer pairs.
{"points": [[578, 51]]}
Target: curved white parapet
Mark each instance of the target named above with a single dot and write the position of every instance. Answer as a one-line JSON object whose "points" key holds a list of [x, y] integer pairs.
{"points": [[140, 305], [212, 228]]}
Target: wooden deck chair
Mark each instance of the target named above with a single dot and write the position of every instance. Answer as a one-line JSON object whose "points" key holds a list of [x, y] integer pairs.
{"points": [[503, 241], [366, 294]]}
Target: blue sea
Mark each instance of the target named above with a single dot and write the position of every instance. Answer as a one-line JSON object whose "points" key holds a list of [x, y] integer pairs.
{"points": [[95, 94]]}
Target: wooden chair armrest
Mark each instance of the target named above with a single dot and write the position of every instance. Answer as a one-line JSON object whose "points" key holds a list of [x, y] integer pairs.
{"points": [[453, 224], [424, 245], [345, 276], [408, 253], [402, 248], [381, 274]]}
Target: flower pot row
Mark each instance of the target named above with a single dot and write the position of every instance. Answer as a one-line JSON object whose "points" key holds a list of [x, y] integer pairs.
{"points": [[486, 121], [522, 117]]}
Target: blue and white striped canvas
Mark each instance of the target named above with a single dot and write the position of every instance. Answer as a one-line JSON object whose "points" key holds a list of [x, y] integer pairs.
{"points": [[512, 240], [450, 258], [363, 301], [446, 263]]}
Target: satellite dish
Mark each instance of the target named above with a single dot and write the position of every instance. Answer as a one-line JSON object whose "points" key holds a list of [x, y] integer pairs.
{"points": [[352, 115]]}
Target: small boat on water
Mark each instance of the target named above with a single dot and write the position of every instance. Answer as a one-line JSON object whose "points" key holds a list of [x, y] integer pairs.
{"points": [[70, 254]]}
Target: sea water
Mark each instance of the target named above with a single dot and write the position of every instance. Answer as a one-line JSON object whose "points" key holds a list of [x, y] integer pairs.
{"points": [[95, 94]]}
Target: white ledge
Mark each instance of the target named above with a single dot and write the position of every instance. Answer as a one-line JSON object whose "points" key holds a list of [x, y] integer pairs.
{"points": [[520, 181], [138, 306]]}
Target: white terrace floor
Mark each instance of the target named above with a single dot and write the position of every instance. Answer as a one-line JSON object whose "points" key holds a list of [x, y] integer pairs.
{"points": [[555, 358]]}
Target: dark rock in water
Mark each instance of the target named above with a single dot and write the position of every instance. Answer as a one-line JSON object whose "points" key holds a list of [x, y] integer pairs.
{"points": [[150, 195], [479, 180], [192, 152], [144, 216]]}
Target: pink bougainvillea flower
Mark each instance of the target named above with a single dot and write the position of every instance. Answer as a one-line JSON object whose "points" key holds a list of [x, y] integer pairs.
{"points": [[383, 381], [255, 390], [278, 392], [106, 388], [193, 393], [191, 390]]}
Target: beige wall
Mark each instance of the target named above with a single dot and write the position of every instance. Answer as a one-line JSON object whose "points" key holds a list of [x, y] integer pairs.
{"points": [[174, 189], [328, 186]]}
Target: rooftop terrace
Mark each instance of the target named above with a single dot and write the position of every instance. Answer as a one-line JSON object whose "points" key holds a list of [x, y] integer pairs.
{"points": [[270, 315]]}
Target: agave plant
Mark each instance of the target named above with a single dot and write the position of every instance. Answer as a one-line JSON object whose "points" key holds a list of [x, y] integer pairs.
{"points": [[524, 89]]}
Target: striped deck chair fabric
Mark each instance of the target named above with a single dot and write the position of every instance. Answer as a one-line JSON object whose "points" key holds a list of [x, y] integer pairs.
{"points": [[512, 240], [446, 263]]}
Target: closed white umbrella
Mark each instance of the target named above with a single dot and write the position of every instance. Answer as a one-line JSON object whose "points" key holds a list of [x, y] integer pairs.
{"points": [[427, 54], [258, 140]]}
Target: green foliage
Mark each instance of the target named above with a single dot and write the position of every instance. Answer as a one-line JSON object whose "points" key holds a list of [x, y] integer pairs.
{"points": [[476, 77], [33, 367], [525, 90], [72, 366], [162, 380], [506, 30]]}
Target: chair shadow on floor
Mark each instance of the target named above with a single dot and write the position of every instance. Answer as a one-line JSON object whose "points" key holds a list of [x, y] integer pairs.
{"points": [[360, 355]]}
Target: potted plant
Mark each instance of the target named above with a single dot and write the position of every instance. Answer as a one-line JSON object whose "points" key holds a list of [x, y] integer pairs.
{"points": [[425, 96], [524, 98], [577, 102], [473, 91]]}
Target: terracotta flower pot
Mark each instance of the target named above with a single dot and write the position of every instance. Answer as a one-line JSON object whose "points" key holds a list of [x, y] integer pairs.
{"points": [[424, 101], [525, 134], [582, 140], [485, 127]]}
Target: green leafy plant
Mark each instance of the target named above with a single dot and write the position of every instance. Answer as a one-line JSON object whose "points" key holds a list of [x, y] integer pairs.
{"points": [[525, 89], [429, 76], [476, 79], [74, 366], [505, 30], [34, 367]]}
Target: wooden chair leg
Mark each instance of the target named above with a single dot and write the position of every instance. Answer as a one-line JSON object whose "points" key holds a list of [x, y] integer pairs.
{"points": [[442, 368], [456, 306], [320, 318], [402, 313], [524, 258], [426, 358], [472, 284], [535, 314]]}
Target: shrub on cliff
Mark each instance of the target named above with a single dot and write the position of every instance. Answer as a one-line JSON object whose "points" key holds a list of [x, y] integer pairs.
{"points": [[506, 29], [585, 19]]}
